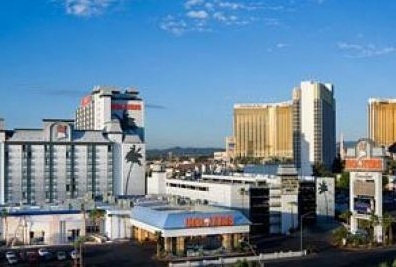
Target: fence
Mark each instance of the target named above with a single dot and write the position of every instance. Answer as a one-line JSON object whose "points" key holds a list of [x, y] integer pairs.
{"points": [[220, 261]]}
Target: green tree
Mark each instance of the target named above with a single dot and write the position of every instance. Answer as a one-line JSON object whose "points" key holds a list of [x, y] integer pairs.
{"points": [[78, 245], [346, 215], [387, 221], [339, 234], [133, 157], [338, 165], [391, 167], [320, 170], [96, 216], [369, 225], [343, 181]]}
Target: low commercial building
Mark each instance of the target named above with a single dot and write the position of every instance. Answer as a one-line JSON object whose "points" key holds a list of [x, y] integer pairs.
{"points": [[42, 227], [182, 228], [264, 199]]}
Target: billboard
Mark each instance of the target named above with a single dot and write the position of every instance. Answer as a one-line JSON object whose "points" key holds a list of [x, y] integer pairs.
{"points": [[365, 165], [364, 205], [130, 115]]}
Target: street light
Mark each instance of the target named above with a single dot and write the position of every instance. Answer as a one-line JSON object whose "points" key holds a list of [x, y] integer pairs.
{"points": [[301, 229]]}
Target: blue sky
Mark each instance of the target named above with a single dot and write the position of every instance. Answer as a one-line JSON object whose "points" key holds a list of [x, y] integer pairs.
{"points": [[193, 59]]}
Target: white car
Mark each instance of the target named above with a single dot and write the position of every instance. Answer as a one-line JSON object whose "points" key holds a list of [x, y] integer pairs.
{"points": [[10, 254], [11, 257], [12, 260], [74, 254], [43, 252]]}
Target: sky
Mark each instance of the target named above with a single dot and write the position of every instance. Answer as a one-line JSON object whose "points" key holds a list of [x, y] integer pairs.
{"points": [[192, 60]]}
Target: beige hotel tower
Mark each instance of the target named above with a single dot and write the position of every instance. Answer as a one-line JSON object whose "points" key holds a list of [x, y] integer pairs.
{"points": [[382, 121], [263, 130]]}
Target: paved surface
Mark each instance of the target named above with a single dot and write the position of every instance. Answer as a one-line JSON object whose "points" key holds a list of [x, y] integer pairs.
{"points": [[367, 258], [123, 254]]}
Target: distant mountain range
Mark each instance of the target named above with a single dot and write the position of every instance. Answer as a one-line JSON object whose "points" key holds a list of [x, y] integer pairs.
{"points": [[182, 151]]}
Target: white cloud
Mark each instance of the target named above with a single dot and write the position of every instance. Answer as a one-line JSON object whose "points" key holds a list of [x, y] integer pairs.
{"points": [[281, 45], [205, 15], [271, 22], [192, 3], [200, 14], [277, 46], [86, 8], [174, 26], [364, 51]]}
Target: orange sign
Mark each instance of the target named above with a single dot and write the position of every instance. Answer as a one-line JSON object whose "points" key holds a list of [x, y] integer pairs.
{"points": [[364, 165], [220, 220], [126, 107]]}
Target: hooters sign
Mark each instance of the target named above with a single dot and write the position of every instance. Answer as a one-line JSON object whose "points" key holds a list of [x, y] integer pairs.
{"points": [[211, 221], [369, 165]]}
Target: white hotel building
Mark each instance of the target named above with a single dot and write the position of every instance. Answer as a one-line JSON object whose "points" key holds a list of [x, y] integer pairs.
{"points": [[64, 160]]}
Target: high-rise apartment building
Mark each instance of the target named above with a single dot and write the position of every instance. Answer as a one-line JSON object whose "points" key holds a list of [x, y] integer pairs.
{"points": [[263, 130], [314, 125], [382, 121]]}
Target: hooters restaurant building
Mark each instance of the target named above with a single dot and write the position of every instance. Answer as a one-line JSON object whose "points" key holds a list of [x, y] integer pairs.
{"points": [[181, 228]]}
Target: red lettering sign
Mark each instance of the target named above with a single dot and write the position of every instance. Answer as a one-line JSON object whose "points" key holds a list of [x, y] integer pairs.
{"points": [[126, 107], [364, 165], [219, 220], [85, 101]]}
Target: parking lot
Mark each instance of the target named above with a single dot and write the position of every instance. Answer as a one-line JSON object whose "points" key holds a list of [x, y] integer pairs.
{"points": [[118, 254]]}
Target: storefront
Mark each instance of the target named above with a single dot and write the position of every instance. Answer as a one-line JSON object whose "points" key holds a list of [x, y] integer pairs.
{"points": [[180, 230]]}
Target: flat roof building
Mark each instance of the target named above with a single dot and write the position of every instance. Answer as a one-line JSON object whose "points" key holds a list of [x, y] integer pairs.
{"points": [[180, 227]]}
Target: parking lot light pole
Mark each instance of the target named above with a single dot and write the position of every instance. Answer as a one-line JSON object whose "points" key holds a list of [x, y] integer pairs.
{"points": [[301, 229]]}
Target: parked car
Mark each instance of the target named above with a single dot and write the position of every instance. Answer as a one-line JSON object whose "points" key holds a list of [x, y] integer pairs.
{"points": [[74, 254], [9, 254], [61, 255], [12, 259], [43, 251]]}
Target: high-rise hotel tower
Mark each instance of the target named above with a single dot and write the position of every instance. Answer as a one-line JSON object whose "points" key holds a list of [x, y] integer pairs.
{"points": [[314, 125], [102, 154], [382, 121], [263, 130]]}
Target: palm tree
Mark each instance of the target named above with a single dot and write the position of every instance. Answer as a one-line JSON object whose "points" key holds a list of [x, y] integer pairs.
{"points": [[127, 123], [4, 216], [78, 245], [82, 209], [370, 224], [387, 227], [133, 157], [96, 216], [323, 189]]}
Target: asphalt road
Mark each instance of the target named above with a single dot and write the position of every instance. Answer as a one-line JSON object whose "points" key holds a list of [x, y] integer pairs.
{"points": [[337, 258]]}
